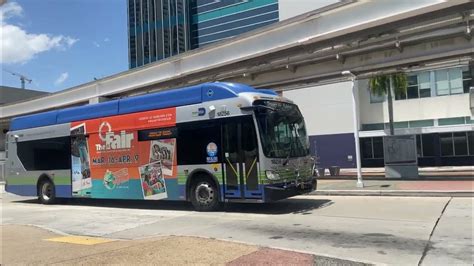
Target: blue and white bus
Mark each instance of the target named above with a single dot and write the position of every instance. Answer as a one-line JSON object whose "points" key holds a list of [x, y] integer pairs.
{"points": [[207, 144]]}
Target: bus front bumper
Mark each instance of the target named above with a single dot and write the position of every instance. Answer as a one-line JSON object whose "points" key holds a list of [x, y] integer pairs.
{"points": [[276, 192]]}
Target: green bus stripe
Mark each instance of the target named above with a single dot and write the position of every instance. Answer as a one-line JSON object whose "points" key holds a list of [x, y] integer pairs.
{"points": [[25, 180]]}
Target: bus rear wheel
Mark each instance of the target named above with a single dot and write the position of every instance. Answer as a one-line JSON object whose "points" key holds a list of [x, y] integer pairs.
{"points": [[204, 195], [46, 192]]}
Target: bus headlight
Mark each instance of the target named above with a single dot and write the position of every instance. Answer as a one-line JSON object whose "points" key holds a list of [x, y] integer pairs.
{"points": [[272, 175]]}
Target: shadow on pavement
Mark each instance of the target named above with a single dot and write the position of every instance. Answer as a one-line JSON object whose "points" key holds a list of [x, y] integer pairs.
{"points": [[295, 206]]}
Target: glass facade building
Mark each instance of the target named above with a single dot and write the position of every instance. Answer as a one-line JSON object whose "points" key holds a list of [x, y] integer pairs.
{"points": [[212, 20], [159, 29]]}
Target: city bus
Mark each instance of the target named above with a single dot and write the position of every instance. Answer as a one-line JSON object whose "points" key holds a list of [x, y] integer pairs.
{"points": [[208, 144]]}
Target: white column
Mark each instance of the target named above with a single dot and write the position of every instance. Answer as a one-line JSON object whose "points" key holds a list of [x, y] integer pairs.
{"points": [[98, 100], [355, 113]]}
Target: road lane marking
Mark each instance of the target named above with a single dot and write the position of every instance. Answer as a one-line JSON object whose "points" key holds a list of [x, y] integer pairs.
{"points": [[80, 240]]}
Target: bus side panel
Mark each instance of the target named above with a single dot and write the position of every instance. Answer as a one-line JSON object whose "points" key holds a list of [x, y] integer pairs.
{"points": [[31, 155], [130, 156]]}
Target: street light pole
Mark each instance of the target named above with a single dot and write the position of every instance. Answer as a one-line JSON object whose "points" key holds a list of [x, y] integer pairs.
{"points": [[355, 116]]}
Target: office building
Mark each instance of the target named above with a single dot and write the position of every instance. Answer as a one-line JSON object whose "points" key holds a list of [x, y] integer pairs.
{"points": [[435, 108], [157, 29], [213, 21]]}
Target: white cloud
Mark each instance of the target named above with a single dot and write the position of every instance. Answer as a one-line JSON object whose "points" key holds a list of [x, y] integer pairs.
{"points": [[19, 46], [96, 44], [60, 80], [106, 40], [10, 9]]}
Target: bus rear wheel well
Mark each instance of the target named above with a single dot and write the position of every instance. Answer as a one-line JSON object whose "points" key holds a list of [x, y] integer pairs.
{"points": [[197, 176], [41, 179]]}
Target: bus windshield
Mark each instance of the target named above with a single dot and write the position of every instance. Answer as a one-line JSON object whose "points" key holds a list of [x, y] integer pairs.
{"points": [[282, 129]]}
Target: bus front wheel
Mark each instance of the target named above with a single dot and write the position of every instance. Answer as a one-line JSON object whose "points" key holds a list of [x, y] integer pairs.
{"points": [[204, 195], [46, 192]]}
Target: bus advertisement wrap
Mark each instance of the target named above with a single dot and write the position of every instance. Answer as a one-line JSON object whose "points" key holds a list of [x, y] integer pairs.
{"points": [[123, 165]]}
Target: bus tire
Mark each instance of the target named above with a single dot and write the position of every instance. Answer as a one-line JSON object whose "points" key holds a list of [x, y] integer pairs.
{"points": [[204, 195], [46, 192]]}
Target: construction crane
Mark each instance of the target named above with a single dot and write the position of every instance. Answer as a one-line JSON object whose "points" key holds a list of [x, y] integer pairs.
{"points": [[23, 78]]}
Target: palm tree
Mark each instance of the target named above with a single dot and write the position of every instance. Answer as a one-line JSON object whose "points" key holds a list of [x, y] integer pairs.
{"points": [[381, 85]]}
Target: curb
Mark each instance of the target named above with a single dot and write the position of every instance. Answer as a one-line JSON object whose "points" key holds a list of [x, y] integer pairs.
{"points": [[397, 193], [383, 178]]}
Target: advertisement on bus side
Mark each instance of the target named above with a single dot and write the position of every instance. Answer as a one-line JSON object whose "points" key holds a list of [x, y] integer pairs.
{"points": [[120, 162]]}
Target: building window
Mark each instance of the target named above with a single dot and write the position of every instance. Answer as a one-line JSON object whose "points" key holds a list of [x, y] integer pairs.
{"points": [[425, 145], [372, 148], [370, 127], [428, 142], [444, 82], [460, 143], [470, 140], [457, 143], [449, 81], [467, 74], [419, 86], [446, 143]]}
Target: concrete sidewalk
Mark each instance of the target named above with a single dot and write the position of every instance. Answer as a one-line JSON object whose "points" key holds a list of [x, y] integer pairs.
{"points": [[441, 172], [31, 245], [396, 187]]}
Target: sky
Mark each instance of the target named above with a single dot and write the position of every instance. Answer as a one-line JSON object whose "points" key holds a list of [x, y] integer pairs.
{"points": [[61, 44]]}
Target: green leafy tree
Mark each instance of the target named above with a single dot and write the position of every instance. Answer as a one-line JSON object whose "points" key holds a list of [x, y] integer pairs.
{"points": [[381, 85]]}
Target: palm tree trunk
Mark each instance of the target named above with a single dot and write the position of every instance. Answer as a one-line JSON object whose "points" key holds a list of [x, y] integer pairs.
{"points": [[390, 106]]}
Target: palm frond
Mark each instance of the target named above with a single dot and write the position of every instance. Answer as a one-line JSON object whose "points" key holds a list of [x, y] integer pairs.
{"points": [[380, 85], [400, 84]]}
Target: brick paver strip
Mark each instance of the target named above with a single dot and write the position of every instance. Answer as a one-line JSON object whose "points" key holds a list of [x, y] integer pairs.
{"points": [[267, 256]]}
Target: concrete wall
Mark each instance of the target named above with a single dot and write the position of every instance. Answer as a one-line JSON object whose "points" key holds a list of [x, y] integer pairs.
{"points": [[327, 111], [334, 150], [291, 8]]}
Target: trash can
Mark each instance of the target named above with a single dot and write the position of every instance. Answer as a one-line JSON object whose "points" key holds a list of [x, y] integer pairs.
{"points": [[334, 170], [321, 171]]}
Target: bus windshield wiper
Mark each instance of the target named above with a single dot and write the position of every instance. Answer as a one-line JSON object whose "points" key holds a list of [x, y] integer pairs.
{"points": [[287, 160]]}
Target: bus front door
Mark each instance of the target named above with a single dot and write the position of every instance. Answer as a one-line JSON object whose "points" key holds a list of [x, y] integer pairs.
{"points": [[240, 153]]}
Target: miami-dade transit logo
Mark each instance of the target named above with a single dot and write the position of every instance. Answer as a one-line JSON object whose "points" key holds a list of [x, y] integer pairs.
{"points": [[211, 150], [111, 140]]}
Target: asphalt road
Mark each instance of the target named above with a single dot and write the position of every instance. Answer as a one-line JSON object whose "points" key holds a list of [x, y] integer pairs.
{"points": [[391, 230]]}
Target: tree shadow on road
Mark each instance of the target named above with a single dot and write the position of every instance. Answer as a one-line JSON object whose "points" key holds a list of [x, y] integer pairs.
{"points": [[287, 206]]}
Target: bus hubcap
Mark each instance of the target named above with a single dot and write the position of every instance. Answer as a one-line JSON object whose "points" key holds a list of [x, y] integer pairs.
{"points": [[204, 193], [46, 191]]}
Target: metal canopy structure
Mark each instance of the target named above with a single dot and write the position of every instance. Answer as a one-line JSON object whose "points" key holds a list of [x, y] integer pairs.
{"points": [[366, 37]]}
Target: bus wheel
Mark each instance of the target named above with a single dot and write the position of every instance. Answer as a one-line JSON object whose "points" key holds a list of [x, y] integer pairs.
{"points": [[204, 195], [46, 192]]}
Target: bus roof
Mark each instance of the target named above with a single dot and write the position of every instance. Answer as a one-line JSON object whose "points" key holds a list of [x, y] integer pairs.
{"points": [[171, 98]]}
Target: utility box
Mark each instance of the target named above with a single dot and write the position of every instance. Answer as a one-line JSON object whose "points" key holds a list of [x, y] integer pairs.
{"points": [[400, 156]]}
